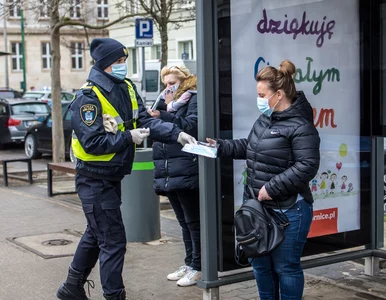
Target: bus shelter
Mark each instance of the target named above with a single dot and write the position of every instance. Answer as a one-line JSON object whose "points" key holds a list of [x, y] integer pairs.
{"points": [[338, 48]]}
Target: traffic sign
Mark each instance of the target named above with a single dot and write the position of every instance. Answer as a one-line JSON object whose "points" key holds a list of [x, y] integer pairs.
{"points": [[143, 29]]}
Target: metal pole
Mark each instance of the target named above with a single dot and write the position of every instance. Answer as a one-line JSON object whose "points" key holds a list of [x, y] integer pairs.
{"points": [[5, 48], [377, 210], [24, 87], [143, 84], [143, 79], [206, 26], [377, 177]]}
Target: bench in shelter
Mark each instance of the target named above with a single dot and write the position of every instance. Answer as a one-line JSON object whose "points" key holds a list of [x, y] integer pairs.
{"points": [[66, 167]]}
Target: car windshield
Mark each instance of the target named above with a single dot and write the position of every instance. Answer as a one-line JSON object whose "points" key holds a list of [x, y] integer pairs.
{"points": [[28, 108], [6, 94], [33, 95], [64, 109]]}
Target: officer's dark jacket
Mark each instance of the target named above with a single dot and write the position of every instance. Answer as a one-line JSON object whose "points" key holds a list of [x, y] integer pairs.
{"points": [[95, 140], [282, 153], [175, 169]]}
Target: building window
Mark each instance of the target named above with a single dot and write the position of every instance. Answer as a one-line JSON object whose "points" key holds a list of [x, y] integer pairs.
{"points": [[75, 9], [77, 55], [44, 9], [103, 9], [186, 50], [16, 56], [46, 55], [158, 51], [14, 8]]}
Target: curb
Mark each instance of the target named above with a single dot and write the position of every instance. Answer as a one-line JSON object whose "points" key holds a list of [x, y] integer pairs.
{"points": [[345, 287]]}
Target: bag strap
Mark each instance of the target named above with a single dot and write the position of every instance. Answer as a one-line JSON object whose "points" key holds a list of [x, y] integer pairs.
{"points": [[239, 255], [251, 191], [281, 218]]}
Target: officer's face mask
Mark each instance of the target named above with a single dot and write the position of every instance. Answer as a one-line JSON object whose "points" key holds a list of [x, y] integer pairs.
{"points": [[263, 105], [119, 71]]}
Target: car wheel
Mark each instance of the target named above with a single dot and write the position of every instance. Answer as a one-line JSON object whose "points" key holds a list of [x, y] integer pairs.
{"points": [[72, 155], [384, 192], [31, 147]]}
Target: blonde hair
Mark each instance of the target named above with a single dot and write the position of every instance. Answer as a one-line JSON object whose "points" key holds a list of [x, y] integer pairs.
{"points": [[182, 73], [279, 79]]}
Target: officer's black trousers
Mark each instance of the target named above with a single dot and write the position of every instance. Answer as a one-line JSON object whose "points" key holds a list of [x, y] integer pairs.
{"points": [[105, 236]]}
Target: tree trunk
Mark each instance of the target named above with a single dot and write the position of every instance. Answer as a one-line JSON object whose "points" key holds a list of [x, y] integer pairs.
{"points": [[56, 114], [163, 30], [164, 44]]}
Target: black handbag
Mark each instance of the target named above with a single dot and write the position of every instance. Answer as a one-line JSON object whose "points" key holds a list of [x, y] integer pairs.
{"points": [[258, 229]]}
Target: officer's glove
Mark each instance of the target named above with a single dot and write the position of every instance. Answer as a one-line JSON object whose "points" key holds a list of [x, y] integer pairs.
{"points": [[109, 123], [184, 138], [139, 135]]}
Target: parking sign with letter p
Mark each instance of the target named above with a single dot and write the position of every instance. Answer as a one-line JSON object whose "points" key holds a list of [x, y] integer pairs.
{"points": [[144, 32], [144, 29]]}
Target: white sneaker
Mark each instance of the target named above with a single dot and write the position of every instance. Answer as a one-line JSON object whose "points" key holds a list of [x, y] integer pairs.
{"points": [[190, 278], [181, 272]]}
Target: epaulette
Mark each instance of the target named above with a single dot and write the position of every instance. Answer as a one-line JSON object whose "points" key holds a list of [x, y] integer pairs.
{"points": [[87, 87]]}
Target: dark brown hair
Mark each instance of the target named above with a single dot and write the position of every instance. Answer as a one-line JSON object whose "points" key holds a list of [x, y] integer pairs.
{"points": [[279, 79]]}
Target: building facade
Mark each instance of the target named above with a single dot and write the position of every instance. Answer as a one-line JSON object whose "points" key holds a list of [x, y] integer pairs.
{"points": [[181, 36], [75, 58]]}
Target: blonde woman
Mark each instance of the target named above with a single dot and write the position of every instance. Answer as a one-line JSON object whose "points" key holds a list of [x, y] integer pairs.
{"points": [[176, 172]]}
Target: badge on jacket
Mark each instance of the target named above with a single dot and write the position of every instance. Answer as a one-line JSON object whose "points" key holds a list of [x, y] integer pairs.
{"points": [[88, 113]]}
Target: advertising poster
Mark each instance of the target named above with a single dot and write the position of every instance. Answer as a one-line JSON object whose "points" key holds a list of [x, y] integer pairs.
{"points": [[322, 39]]}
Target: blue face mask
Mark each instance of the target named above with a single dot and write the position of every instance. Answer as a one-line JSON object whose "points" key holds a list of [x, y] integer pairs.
{"points": [[263, 105], [119, 71]]}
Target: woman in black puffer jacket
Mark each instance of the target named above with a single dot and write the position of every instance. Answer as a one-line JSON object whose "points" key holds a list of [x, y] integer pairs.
{"points": [[282, 155], [176, 172]]}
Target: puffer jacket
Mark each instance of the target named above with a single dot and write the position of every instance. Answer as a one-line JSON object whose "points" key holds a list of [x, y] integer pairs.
{"points": [[282, 154], [175, 169]]}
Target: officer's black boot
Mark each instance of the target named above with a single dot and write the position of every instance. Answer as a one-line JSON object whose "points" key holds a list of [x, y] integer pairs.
{"points": [[120, 296], [73, 288]]}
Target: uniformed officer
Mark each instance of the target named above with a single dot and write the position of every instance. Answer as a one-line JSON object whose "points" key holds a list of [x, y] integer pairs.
{"points": [[108, 118]]}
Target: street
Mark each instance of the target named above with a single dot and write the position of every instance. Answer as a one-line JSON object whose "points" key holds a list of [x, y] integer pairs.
{"points": [[29, 217]]}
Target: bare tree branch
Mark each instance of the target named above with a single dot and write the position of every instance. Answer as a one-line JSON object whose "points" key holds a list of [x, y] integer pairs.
{"points": [[69, 22], [182, 20]]}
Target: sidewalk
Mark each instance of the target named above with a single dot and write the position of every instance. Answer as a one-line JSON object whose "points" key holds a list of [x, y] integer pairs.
{"points": [[27, 211]]}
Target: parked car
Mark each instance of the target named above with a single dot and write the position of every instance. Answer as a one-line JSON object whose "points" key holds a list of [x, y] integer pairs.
{"points": [[38, 139], [7, 93], [16, 116], [46, 96]]}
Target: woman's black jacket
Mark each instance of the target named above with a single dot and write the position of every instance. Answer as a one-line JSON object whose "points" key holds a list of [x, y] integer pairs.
{"points": [[282, 153]]}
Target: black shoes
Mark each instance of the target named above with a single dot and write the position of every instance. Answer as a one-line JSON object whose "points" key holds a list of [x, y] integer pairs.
{"points": [[73, 288]]}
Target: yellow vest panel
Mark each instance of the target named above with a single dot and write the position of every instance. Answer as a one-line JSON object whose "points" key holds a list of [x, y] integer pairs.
{"points": [[107, 108]]}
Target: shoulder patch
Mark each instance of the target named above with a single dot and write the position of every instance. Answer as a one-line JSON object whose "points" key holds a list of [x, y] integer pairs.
{"points": [[88, 114]]}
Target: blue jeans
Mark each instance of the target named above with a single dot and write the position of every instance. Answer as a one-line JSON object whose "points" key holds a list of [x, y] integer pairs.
{"points": [[281, 269]]}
